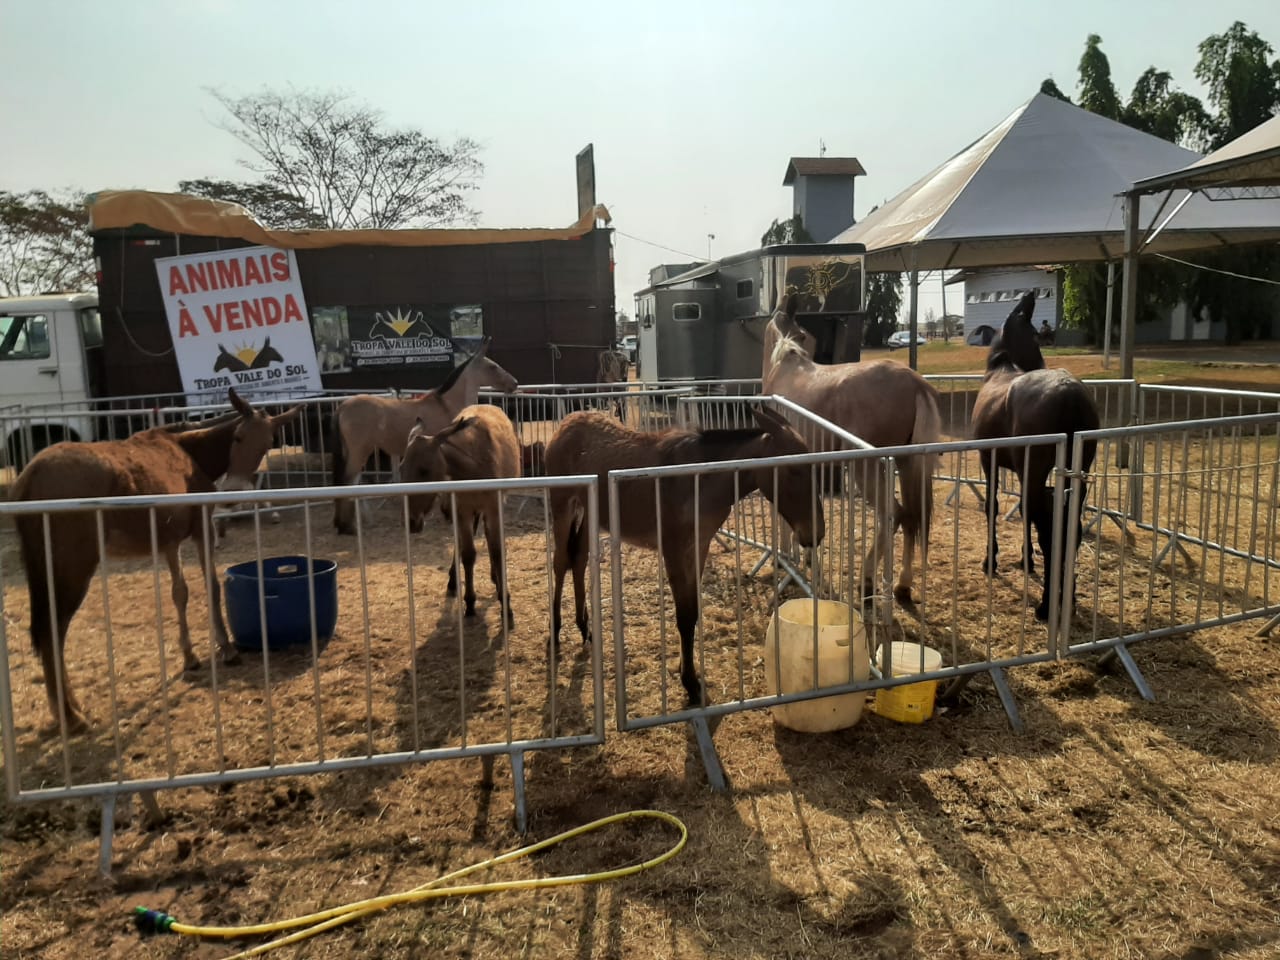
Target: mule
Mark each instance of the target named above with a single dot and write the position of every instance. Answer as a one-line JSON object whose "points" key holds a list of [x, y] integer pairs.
{"points": [[592, 442], [882, 402], [365, 424], [1019, 397], [480, 444], [179, 458]]}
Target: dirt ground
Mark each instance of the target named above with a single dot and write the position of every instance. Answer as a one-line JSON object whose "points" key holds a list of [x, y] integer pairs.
{"points": [[1113, 827]]}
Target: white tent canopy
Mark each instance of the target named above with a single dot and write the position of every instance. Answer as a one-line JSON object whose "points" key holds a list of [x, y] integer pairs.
{"points": [[1044, 186]]}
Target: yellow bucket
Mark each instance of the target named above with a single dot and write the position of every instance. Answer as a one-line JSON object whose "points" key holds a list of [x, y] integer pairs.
{"points": [[789, 664], [911, 702]]}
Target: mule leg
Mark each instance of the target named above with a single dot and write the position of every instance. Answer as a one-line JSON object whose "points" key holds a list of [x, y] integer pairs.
{"points": [[561, 527], [578, 551], [992, 474], [907, 573], [344, 511], [1037, 503], [682, 576], [74, 577], [467, 552], [494, 543], [178, 589], [230, 654], [451, 589]]}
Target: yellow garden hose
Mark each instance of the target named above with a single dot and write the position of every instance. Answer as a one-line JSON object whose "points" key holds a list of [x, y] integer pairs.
{"points": [[154, 921]]}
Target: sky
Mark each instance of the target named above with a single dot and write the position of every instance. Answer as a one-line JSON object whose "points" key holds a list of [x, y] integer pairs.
{"points": [[693, 108]]}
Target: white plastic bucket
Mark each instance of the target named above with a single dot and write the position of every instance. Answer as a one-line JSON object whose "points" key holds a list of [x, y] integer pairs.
{"points": [[789, 664]]}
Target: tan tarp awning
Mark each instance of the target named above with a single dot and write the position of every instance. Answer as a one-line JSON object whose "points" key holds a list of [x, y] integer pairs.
{"points": [[195, 216], [1252, 159]]}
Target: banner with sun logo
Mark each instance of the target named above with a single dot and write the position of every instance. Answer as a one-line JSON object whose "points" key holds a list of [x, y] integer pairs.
{"points": [[238, 319], [400, 335]]}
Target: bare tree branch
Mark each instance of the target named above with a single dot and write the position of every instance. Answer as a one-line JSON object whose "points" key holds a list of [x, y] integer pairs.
{"points": [[336, 157]]}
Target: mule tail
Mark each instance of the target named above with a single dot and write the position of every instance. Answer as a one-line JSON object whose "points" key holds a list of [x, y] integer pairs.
{"points": [[916, 473]]}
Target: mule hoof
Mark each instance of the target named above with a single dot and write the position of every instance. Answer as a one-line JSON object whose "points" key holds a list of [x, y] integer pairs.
{"points": [[231, 655], [1042, 611], [902, 594], [697, 695], [471, 610], [275, 516], [988, 566], [344, 530], [451, 590]]}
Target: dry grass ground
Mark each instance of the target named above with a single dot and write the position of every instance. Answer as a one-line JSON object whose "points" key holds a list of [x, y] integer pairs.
{"points": [[1113, 827]]}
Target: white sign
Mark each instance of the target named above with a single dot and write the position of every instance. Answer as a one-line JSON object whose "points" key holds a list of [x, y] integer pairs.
{"points": [[238, 319]]}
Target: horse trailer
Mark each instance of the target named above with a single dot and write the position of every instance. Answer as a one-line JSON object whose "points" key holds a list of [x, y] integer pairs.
{"points": [[706, 321]]}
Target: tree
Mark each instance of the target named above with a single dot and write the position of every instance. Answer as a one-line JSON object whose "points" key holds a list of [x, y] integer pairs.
{"points": [[1051, 88], [790, 230], [338, 159], [884, 300], [1156, 108], [44, 243], [1243, 86], [1097, 92], [271, 206]]}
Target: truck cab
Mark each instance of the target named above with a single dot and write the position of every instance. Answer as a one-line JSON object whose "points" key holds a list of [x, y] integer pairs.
{"points": [[50, 358]]}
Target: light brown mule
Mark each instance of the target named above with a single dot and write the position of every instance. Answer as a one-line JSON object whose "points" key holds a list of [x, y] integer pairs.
{"points": [[365, 424], [481, 444], [165, 460], [881, 402], [590, 442]]}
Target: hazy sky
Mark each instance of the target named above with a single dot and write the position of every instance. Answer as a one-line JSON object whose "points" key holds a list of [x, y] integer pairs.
{"points": [[694, 108]]}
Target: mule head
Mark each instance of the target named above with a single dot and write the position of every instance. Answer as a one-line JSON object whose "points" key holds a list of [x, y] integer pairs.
{"points": [[796, 494], [425, 461], [489, 373], [1017, 340], [254, 434]]}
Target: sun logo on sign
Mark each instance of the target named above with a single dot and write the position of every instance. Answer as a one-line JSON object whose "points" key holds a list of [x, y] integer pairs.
{"points": [[399, 323], [246, 357]]}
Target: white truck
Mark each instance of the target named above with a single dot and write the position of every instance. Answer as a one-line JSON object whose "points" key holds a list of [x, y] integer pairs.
{"points": [[50, 352]]}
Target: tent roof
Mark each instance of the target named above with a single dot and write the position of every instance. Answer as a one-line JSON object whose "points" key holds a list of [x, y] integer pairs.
{"points": [[1042, 186], [1250, 160]]}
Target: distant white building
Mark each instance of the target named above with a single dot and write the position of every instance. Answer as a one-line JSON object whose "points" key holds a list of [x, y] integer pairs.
{"points": [[991, 295]]}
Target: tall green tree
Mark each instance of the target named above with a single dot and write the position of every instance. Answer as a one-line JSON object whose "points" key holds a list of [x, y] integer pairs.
{"points": [[1097, 92], [1051, 88], [884, 300], [1243, 82], [1157, 108]]}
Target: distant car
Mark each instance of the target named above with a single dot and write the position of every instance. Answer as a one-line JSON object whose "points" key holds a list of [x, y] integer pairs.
{"points": [[902, 338], [629, 345]]}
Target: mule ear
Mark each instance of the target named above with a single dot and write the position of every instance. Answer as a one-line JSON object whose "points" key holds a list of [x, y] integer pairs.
{"points": [[793, 305], [1025, 308], [456, 427], [280, 419], [766, 419], [240, 404], [417, 430]]}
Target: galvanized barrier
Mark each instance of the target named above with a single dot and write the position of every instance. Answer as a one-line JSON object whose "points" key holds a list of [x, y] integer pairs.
{"points": [[740, 604], [1197, 529], [404, 678]]}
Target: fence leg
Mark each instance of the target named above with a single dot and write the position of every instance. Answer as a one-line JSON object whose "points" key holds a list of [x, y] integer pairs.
{"points": [[1130, 667], [1006, 698], [1269, 626], [107, 834], [517, 781], [710, 759]]}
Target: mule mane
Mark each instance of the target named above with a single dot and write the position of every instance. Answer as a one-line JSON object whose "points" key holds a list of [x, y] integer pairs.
{"points": [[454, 375], [786, 346]]}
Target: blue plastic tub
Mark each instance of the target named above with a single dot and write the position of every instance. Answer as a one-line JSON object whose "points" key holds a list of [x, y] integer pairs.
{"points": [[287, 600]]}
